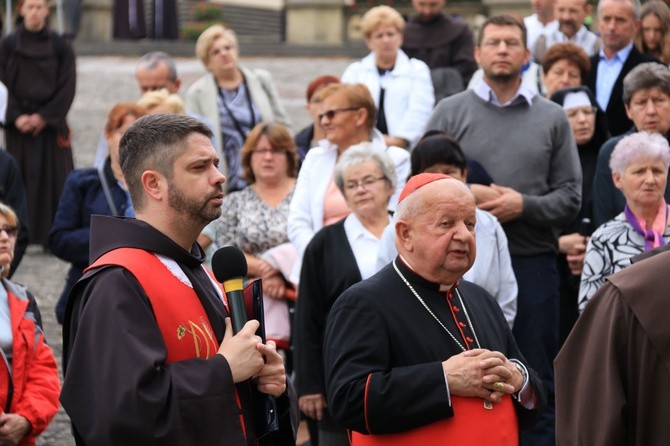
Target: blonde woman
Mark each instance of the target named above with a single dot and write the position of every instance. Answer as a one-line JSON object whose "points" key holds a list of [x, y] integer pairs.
{"points": [[162, 101], [233, 98], [401, 87]]}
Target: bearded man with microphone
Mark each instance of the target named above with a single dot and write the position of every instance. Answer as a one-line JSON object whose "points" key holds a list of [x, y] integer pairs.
{"points": [[150, 354]]}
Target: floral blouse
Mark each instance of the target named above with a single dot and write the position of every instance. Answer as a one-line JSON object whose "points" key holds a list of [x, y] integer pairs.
{"points": [[609, 250], [251, 224]]}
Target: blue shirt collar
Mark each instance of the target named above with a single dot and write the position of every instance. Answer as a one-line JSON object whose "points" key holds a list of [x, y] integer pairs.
{"points": [[620, 55], [523, 94]]}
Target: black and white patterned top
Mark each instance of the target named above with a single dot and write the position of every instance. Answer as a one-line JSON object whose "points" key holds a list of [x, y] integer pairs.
{"points": [[251, 224], [609, 250]]}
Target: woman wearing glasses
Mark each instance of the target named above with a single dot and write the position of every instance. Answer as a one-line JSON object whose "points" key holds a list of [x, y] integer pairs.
{"points": [[339, 256], [233, 98], [589, 126], [254, 219], [348, 118], [29, 384]]}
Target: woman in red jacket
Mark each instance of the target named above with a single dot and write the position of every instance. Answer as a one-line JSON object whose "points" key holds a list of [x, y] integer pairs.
{"points": [[29, 384]]}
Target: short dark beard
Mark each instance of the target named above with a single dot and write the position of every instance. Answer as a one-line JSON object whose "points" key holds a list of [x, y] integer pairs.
{"points": [[197, 211]]}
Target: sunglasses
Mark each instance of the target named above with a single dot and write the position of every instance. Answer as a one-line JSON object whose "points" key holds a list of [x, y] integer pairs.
{"points": [[330, 114], [12, 231]]}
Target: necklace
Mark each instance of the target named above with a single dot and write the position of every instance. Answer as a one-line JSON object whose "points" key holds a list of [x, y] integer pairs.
{"points": [[487, 404], [423, 303]]}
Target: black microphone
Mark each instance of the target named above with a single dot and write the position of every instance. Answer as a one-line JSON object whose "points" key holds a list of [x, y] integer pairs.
{"points": [[230, 266], [585, 226]]}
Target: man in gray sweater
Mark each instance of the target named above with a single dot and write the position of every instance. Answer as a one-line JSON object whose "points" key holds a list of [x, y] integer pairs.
{"points": [[525, 143]]}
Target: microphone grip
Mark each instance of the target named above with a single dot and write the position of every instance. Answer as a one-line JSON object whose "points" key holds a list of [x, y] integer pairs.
{"points": [[238, 311], [585, 227]]}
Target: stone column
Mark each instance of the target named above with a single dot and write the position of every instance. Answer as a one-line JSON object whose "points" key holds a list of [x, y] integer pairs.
{"points": [[315, 22]]}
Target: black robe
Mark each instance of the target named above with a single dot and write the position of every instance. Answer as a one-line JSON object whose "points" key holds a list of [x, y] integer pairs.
{"points": [[117, 388], [378, 328], [441, 42], [129, 19], [328, 269], [613, 372], [39, 71]]}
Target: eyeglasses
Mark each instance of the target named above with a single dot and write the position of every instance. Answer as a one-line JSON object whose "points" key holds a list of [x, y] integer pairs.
{"points": [[587, 111], [509, 43], [12, 231], [263, 152], [330, 114], [365, 183]]}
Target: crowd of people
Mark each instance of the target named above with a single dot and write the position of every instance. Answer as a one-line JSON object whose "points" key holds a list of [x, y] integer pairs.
{"points": [[459, 209]]}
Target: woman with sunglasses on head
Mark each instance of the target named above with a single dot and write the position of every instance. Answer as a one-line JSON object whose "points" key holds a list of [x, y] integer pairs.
{"points": [[29, 384], [348, 117]]}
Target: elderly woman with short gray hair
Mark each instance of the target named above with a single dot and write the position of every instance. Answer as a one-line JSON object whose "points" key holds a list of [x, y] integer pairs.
{"points": [[639, 166], [337, 257]]}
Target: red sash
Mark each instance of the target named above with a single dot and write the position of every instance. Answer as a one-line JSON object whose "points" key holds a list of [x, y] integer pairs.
{"points": [[471, 425], [180, 316]]}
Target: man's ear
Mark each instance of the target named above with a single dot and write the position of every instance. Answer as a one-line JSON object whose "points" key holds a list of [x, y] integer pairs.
{"points": [[403, 236], [154, 185]]}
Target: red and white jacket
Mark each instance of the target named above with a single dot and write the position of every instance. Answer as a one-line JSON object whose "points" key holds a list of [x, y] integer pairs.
{"points": [[32, 388]]}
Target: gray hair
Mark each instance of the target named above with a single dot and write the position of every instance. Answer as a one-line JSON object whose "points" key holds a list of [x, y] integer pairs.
{"points": [[360, 153], [154, 142], [645, 76], [152, 60], [637, 7], [413, 205], [409, 208], [637, 146]]}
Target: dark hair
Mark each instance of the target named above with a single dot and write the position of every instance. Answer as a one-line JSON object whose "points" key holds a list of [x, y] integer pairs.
{"points": [[645, 76], [279, 138], [320, 82], [570, 52], [503, 20], [437, 147], [153, 142]]}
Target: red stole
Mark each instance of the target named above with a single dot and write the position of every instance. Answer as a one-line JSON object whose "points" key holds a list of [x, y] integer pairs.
{"points": [[179, 313], [471, 425]]}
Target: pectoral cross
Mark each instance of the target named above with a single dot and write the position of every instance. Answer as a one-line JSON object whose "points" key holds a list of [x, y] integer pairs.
{"points": [[488, 405]]}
